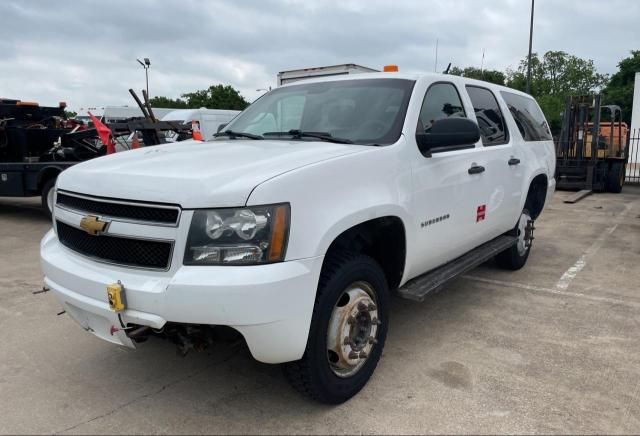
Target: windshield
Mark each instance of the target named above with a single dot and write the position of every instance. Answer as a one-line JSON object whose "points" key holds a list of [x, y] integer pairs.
{"points": [[368, 111]]}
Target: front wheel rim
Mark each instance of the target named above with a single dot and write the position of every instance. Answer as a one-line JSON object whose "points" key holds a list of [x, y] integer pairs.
{"points": [[353, 329]]}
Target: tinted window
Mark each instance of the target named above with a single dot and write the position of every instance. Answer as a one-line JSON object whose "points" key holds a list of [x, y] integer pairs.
{"points": [[364, 111], [493, 128], [528, 117], [441, 101]]}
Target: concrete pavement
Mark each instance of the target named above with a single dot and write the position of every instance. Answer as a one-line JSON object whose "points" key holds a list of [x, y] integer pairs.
{"points": [[553, 348]]}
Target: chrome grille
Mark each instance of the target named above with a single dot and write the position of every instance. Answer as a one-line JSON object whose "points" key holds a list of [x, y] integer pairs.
{"points": [[159, 214]]}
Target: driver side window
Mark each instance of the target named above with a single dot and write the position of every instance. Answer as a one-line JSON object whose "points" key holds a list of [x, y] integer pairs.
{"points": [[441, 101]]}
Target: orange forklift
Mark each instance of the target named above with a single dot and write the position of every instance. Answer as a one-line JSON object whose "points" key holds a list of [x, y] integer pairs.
{"points": [[592, 150]]}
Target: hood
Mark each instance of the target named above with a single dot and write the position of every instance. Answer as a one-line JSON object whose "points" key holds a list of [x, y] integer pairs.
{"points": [[195, 174]]}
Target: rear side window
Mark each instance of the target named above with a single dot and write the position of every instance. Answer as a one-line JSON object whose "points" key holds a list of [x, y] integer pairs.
{"points": [[528, 117], [493, 128]]}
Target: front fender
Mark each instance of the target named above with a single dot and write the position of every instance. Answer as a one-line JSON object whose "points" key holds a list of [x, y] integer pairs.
{"points": [[332, 196]]}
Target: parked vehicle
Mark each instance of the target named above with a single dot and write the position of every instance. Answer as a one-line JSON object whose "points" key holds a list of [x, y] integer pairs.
{"points": [[83, 114], [36, 144], [290, 76], [205, 121], [114, 114], [592, 153], [297, 224]]}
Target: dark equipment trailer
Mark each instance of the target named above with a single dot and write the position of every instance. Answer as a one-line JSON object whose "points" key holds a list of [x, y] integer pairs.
{"points": [[34, 149], [37, 143], [592, 154]]}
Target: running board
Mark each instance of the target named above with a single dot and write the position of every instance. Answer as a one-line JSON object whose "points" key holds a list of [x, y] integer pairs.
{"points": [[418, 288]]}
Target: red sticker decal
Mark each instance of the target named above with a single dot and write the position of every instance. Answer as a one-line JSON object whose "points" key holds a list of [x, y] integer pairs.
{"points": [[480, 214]]}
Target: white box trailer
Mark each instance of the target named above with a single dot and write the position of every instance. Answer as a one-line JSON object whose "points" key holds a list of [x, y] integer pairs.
{"points": [[635, 123], [290, 76], [112, 114], [118, 113], [208, 120]]}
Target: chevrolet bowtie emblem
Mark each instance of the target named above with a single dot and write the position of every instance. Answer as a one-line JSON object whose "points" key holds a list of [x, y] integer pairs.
{"points": [[92, 225]]}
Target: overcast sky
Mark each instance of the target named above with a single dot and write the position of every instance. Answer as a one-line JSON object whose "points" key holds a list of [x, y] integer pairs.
{"points": [[84, 52]]}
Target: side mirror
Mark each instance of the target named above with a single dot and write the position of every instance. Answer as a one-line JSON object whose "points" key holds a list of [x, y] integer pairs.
{"points": [[448, 133], [221, 126]]}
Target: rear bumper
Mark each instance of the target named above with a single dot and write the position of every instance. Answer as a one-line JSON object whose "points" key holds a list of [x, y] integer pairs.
{"points": [[270, 305]]}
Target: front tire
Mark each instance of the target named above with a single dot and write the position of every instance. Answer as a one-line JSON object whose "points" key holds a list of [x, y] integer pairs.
{"points": [[516, 256], [615, 177], [348, 330]]}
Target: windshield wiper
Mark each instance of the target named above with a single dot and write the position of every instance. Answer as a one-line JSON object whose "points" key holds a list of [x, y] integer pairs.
{"points": [[299, 134], [233, 135]]}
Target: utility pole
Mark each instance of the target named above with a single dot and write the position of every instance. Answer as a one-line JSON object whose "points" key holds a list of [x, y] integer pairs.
{"points": [[435, 66], [530, 45]]}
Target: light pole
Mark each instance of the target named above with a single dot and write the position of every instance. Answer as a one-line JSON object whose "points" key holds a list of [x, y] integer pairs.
{"points": [[530, 43], [146, 65]]}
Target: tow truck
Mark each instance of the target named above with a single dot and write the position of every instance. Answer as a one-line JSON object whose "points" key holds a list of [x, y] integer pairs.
{"points": [[38, 142], [35, 146]]}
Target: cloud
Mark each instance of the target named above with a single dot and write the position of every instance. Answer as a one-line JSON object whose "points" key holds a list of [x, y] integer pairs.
{"points": [[84, 53]]}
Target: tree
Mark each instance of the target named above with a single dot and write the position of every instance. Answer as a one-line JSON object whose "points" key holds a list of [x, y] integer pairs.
{"points": [[620, 88], [492, 76], [214, 97], [168, 103], [553, 78]]}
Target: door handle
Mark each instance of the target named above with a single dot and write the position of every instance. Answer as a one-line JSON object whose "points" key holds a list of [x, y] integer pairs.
{"points": [[514, 161], [476, 169]]}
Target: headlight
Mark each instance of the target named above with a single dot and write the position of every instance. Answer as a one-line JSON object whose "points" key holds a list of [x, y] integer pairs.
{"points": [[240, 236]]}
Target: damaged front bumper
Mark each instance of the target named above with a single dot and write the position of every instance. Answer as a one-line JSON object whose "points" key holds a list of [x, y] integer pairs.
{"points": [[270, 305]]}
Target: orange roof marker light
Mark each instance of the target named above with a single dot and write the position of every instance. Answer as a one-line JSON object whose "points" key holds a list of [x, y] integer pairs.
{"points": [[390, 69]]}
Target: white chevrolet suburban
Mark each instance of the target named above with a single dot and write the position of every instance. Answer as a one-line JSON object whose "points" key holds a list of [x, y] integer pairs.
{"points": [[300, 219]]}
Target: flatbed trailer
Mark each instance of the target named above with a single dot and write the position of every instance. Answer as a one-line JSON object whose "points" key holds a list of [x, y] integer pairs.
{"points": [[38, 143]]}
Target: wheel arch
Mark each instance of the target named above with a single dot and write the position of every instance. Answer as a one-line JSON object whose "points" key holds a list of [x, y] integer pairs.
{"points": [[382, 238], [47, 173], [536, 195]]}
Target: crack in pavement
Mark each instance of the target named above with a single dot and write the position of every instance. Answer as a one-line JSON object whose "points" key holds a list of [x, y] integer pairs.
{"points": [[233, 354]]}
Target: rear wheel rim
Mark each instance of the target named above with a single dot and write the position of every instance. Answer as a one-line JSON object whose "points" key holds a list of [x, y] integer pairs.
{"points": [[353, 329], [525, 233]]}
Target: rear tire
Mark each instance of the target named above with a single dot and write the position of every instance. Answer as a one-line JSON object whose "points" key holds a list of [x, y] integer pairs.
{"points": [[516, 256], [47, 197], [348, 330], [615, 177]]}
